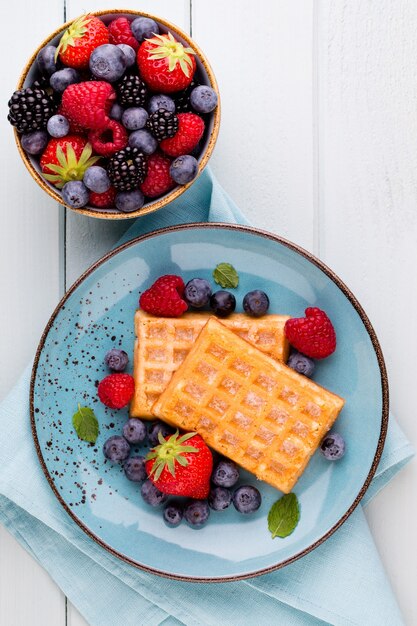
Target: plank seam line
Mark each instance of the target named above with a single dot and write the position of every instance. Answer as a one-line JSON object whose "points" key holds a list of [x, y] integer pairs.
{"points": [[317, 130]]}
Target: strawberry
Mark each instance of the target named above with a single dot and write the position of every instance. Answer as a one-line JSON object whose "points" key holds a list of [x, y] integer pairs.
{"points": [[190, 130], [116, 390], [79, 40], [88, 104], [164, 297], [158, 179], [165, 65], [103, 200], [181, 465], [313, 335], [66, 159], [120, 32], [109, 139]]}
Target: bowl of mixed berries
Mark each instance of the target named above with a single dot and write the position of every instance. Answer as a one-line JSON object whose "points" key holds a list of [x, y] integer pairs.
{"points": [[116, 114]]}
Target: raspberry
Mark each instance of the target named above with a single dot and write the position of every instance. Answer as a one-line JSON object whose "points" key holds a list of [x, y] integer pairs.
{"points": [[313, 335], [190, 130], [120, 32], [109, 139], [158, 179], [103, 200], [164, 298], [74, 128], [116, 390], [88, 104]]}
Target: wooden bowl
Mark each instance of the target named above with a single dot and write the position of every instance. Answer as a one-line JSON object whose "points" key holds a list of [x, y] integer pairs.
{"points": [[203, 72]]}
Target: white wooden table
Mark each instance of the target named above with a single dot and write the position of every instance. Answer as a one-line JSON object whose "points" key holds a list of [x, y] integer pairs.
{"points": [[318, 143]]}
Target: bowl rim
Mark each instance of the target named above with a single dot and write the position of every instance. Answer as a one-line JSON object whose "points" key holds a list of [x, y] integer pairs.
{"points": [[159, 203], [368, 327]]}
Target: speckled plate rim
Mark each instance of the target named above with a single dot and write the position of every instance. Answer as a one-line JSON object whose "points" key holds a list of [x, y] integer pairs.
{"points": [[366, 322], [153, 205]]}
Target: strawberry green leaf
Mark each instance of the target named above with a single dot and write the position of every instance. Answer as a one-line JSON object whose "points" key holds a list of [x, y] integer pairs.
{"points": [[186, 437], [61, 157], [185, 68]]}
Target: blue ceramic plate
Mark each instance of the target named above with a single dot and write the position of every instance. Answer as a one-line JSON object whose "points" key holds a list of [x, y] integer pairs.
{"points": [[97, 314]]}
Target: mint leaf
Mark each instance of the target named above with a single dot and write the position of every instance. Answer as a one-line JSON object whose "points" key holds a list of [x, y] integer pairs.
{"points": [[85, 424], [226, 276], [283, 516]]}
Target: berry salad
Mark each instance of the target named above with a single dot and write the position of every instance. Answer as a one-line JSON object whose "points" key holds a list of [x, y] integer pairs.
{"points": [[176, 471], [117, 113]]}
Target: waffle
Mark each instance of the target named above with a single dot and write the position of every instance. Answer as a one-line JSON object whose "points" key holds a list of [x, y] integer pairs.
{"points": [[257, 411], [163, 343]]}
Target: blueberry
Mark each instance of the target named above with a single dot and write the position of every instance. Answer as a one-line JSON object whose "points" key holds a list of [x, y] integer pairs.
{"points": [[134, 431], [203, 99], [128, 51], [134, 118], [58, 126], [75, 194], [197, 512], [256, 303], [301, 363], [143, 140], [184, 169], [173, 513], [116, 112], [116, 449], [134, 468], [128, 201], [219, 498], [225, 474], [333, 447], [197, 292], [223, 303], [107, 62], [34, 142], [46, 60], [62, 79], [96, 179], [151, 494], [115, 359], [159, 427], [246, 499], [161, 101], [144, 28]]}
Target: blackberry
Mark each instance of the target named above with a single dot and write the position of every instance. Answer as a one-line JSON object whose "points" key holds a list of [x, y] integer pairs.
{"points": [[127, 169], [42, 82], [132, 91], [162, 124], [30, 109], [182, 98]]}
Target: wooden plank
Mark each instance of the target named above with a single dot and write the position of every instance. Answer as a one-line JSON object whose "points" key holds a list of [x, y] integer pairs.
{"points": [[87, 239], [368, 223], [30, 288], [263, 62], [74, 618], [27, 594]]}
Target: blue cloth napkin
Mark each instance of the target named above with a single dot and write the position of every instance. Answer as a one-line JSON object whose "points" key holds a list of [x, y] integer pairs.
{"points": [[341, 582]]}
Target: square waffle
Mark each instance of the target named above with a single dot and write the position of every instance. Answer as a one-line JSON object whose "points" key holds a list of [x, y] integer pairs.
{"points": [[163, 343], [257, 411]]}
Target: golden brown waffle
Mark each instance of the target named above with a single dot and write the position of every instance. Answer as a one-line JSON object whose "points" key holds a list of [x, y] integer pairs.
{"points": [[257, 411], [163, 343]]}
